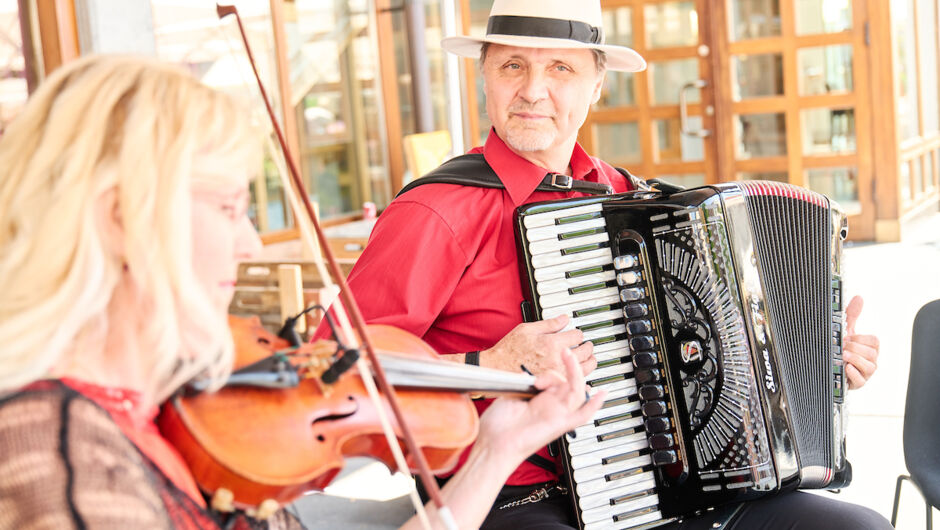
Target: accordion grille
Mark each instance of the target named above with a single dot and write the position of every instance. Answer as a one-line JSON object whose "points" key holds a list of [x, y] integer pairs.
{"points": [[791, 228]]}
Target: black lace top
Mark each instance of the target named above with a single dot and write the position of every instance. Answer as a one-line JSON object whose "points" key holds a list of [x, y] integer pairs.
{"points": [[64, 463]]}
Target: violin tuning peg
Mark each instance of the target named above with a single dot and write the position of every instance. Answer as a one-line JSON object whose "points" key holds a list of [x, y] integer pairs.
{"points": [[223, 500]]}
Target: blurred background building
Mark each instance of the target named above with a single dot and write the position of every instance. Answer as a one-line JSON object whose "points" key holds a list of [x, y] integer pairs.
{"points": [[836, 95]]}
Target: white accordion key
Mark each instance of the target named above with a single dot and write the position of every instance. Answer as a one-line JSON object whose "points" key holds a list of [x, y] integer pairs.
{"points": [[594, 318], [557, 299], [632, 472], [606, 513], [563, 285], [555, 245], [593, 431], [569, 309], [623, 388], [644, 482], [605, 332], [553, 231], [578, 448], [556, 272], [612, 346], [624, 369], [559, 216], [557, 258], [625, 524]]}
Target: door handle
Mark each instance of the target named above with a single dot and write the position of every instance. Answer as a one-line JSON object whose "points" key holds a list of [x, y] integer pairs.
{"points": [[684, 111]]}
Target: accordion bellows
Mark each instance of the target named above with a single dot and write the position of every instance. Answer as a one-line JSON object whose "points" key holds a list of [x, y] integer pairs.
{"points": [[716, 317]]}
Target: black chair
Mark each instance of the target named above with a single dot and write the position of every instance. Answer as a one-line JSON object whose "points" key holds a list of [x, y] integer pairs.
{"points": [[922, 412]]}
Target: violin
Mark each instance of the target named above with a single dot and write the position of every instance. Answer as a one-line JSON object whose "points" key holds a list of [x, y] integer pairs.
{"points": [[277, 430], [230, 441]]}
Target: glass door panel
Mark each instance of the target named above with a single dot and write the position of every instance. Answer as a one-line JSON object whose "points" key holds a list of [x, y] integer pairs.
{"points": [[828, 131], [757, 76], [671, 24], [793, 101], [637, 123], [825, 69], [761, 135], [823, 16], [337, 99], [754, 19], [673, 146], [618, 143], [668, 76]]}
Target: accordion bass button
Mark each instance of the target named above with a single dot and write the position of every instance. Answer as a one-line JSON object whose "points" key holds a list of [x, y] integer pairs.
{"points": [[635, 310], [650, 392], [661, 441], [645, 359], [644, 376], [657, 425], [643, 342], [628, 278], [663, 458], [627, 261], [654, 408], [639, 326], [632, 295]]}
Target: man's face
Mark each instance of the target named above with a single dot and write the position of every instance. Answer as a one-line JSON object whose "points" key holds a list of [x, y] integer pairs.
{"points": [[538, 98]]}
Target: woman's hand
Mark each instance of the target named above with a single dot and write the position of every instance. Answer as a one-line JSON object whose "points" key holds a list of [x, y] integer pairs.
{"points": [[519, 428]]}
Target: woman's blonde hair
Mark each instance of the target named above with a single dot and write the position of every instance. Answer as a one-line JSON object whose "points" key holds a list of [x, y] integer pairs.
{"points": [[135, 128]]}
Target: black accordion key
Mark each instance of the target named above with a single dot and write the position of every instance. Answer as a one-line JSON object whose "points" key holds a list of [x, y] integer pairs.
{"points": [[650, 392]]}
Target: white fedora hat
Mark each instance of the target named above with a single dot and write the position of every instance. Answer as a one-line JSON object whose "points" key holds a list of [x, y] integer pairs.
{"points": [[547, 24]]}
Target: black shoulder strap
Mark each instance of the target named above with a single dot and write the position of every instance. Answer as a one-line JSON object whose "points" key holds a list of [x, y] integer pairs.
{"points": [[472, 170], [637, 183], [542, 462], [466, 170]]}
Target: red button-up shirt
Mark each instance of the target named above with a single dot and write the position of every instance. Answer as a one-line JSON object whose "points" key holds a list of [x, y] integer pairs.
{"points": [[441, 262]]}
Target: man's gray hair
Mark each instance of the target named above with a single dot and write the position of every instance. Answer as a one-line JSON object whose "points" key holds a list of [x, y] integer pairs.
{"points": [[600, 58]]}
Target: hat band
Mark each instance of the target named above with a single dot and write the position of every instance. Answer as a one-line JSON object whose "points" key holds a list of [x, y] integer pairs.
{"points": [[552, 28]]}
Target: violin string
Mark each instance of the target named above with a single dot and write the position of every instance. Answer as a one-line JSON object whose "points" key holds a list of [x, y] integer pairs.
{"points": [[305, 228]]}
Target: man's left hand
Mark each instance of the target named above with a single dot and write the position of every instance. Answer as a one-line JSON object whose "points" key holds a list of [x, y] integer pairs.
{"points": [[859, 351]]}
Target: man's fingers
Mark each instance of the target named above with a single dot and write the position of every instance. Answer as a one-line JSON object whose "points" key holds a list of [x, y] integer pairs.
{"points": [[862, 366], [573, 371], [856, 379], [548, 378], [570, 338], [582, 352], [587, 410], [870, 341], [852, 311], [588, 365], [550, 325]]}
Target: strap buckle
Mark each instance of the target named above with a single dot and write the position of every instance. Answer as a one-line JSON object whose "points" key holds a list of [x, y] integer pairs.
{"points": [[561, 181]]}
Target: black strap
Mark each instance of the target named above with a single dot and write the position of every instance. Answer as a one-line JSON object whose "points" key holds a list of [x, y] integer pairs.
{"points": [[542, 462], [635, 181], [472, 170]]}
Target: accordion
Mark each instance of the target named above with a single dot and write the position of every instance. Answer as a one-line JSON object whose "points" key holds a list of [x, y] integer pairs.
{"points": [[716, 318]]}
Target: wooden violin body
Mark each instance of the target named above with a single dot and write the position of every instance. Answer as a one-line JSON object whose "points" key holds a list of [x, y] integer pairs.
{"points": [[264, 443]]}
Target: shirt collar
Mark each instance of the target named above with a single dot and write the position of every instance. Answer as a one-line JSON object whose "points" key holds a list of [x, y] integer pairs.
{"points": [[521, 177]]}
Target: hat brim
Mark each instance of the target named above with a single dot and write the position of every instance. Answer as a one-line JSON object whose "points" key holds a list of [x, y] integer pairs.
{"points": [[619, 58]]}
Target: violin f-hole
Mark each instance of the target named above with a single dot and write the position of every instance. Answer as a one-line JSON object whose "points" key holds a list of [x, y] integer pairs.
{"points": [[336, 416]]}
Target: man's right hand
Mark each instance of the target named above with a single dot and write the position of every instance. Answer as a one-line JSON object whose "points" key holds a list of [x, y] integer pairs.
{"points": [[538, 346]]}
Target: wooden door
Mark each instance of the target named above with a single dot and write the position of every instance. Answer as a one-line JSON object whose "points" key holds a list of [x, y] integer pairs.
{"points": [[742, 89], [658, 123]]}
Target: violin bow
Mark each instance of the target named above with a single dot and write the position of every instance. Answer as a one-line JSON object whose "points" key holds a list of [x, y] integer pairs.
{"points": [[349, 302]]}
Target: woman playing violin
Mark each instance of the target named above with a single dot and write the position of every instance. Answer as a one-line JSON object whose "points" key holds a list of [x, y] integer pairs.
{"points": [[123, 196]]}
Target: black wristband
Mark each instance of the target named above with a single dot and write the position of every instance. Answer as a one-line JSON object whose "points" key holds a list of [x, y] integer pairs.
{"points": [[473, 358]]}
